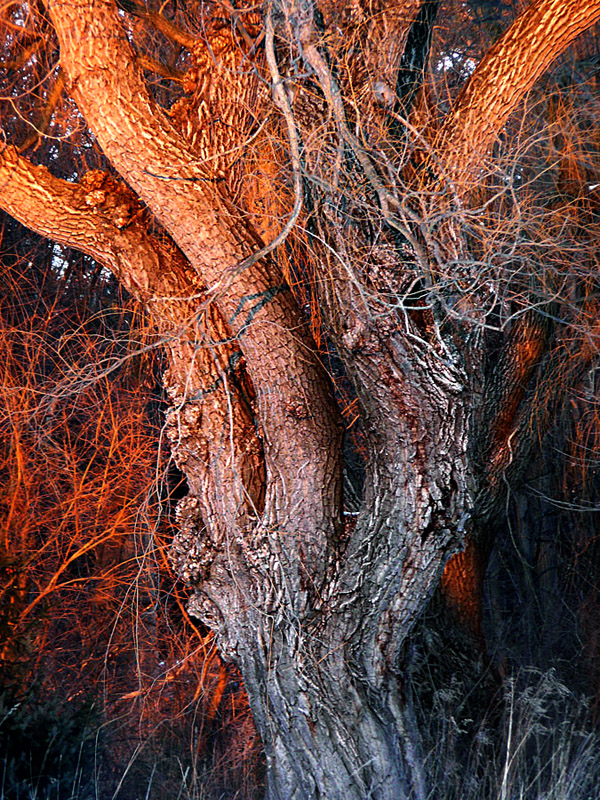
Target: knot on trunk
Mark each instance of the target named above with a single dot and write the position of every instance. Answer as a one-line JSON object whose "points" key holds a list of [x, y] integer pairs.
{"points": [[192, 552], [297, 408], [183, 422], [207, 611], [110, 198]]}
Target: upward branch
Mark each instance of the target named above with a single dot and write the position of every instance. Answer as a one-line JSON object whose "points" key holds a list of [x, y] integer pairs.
{"points": [[298, 416], [506, 74]]}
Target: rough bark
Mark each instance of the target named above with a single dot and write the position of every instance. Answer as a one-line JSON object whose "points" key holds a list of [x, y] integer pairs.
{"points": [[297, 417], [508, 71], [318, 619], [305, 676]]}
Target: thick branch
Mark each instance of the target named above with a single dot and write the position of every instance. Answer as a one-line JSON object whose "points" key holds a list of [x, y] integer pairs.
{"points": [[68, 214], [505, 75], [104, 219], [297, 412], [515, 432]]}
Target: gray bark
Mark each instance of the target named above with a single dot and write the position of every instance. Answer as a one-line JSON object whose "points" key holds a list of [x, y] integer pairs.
{"points": [[316, 617]]}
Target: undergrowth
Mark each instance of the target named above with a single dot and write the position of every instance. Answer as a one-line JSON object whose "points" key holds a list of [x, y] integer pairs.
{"points": [[547, 751], [547, 748]]}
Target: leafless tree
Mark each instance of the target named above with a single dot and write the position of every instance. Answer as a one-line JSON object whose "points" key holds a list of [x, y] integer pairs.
{"points": [[317, 179]]}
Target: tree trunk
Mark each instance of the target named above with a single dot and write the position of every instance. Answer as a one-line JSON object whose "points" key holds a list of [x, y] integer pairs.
{"points": [[318, 618], [325, 734]]}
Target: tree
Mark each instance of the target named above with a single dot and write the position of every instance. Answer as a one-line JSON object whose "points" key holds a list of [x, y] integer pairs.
{"points": [[307, 167]]}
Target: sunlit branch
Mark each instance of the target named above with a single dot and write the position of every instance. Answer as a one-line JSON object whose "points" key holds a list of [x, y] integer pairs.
{"points": [[194, 208], [505, 75], [104, 219]]}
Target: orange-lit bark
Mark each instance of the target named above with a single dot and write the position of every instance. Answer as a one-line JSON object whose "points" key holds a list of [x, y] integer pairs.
{"points": [[298, 420], [317, 620], [461, 585], [104, 219], [505, 75]]}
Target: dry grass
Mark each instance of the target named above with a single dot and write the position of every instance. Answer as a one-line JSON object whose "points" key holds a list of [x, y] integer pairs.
{"points": [[547, 749]]}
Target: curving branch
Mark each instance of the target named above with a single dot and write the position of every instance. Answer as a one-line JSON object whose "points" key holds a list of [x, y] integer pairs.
{"points": [[117, 237], [297, 413], [104, 219], [509, 70]]}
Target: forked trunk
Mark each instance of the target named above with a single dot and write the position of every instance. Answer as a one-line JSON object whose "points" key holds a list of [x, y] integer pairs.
{"points": [[325, 677], [317, 617]]}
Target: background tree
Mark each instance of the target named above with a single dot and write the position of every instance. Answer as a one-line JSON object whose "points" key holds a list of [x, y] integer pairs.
{"points": [[321, 160]]}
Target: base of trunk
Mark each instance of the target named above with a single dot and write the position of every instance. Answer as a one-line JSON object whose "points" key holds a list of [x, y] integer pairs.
{"points": [[328, 737]]}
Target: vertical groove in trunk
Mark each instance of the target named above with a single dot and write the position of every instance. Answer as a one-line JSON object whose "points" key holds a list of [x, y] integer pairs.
{"points": [[325, 735]]}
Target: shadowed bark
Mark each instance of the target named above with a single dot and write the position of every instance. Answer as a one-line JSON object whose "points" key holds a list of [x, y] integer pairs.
{"points": [[299, 113]]}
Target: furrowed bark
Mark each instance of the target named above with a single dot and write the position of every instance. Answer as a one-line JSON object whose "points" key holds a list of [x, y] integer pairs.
{"points": [[298, 417], [543, 31]]}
